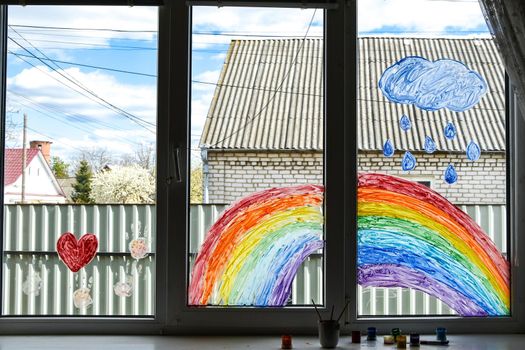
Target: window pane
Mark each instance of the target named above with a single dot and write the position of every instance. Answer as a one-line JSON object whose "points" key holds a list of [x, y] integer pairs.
{"points": [[79, 177], [432, 235], [256, 203]]}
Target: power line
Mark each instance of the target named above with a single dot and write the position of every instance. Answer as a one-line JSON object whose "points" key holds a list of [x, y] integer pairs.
{"points": [[55, 64], [78, 117], [105, 103], [96, 44], [61, 82], [59, 34], [86, 29], [76, 126], [256, 88], [86, 65], [54, 139], [154, 76], [259, 113], [216, 84]]}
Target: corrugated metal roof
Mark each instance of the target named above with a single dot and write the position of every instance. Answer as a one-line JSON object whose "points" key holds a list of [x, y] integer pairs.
{"points": [[265, 102]]}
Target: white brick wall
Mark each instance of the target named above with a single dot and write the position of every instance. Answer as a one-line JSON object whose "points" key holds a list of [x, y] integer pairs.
{"points": [[236, 174]]}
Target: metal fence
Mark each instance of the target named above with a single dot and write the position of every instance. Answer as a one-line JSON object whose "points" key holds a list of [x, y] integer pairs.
{"points": [[37, 283]]}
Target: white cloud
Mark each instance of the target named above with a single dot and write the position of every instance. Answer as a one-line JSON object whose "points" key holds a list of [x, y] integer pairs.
{"points": [[36, 84], [100, 126], [91, 17], [430, 18], [199, 111], [219, 56], [210, 76], [260, 21]]}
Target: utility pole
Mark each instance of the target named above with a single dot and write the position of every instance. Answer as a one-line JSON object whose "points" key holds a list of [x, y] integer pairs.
{"points": [[24, 160]]}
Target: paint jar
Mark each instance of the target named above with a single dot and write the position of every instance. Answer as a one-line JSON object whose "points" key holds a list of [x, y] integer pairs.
{"points": [[388, 339], [414, 339], [328, 333], [286, 342], [395, 333], [441, 334], [401, 341], [371, 334], [356, 336]]}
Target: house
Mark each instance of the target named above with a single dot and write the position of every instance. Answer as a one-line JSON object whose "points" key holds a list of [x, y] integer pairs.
{"points": [[259, 135], [41, 186]]}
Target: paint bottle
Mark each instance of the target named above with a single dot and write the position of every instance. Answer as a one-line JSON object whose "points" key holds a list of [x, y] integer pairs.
{"points": [[441, 334], [356, 336], [388, 339], [371, 334], [414, 339], [401, 341], [286, 341], [395, 333]]}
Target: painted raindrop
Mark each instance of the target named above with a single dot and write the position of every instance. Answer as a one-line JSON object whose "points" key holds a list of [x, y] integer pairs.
{"points": [[388, 148], [450, 176], [404, 123], [473, 151], [408, 162], [450, 131], [430, 145]]}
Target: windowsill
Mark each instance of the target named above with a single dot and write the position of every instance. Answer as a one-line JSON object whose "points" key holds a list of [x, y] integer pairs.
{"points": [[478, 342]]}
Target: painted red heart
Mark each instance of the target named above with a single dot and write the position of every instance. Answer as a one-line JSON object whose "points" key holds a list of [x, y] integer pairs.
{"points": [[77, 254]]}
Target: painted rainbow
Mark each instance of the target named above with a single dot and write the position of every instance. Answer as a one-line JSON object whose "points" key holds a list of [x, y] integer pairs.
{"points": [[251, 254], [410, 236]]}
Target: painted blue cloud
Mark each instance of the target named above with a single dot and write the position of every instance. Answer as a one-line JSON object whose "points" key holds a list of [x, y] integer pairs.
{"points": [[433, 85]]}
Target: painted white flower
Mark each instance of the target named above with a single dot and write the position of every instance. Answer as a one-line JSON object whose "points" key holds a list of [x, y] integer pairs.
{"points": [[32, 284], [139, 248], [123, 289], [82, 298]]}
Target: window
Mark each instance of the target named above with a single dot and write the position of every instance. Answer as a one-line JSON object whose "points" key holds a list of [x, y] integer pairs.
{"points": [[80, 229], [261, 143], [257, 159], [191, 54], [408, 263]]}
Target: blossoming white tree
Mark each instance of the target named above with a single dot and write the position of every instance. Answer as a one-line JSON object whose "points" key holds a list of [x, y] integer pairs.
{"points": [[127, 184]]}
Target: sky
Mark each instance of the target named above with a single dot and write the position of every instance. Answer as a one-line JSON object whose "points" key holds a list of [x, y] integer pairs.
{"points": [[85, 107]]}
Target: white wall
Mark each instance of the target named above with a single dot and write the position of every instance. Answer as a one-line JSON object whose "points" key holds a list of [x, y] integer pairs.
{"points": [[40, 185]]}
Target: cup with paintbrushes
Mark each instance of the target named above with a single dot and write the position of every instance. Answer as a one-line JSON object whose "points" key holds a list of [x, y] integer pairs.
{"points": [[329, 329]]}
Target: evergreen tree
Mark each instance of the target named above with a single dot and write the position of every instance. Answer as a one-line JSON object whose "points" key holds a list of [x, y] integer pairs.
{"points": [[82, 187], [60, 168]]}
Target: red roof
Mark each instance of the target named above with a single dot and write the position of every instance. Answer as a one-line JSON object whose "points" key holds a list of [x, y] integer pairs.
{"points": [[13, 163]]}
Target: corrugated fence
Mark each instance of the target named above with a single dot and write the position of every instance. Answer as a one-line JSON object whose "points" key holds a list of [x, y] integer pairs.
{"points": [[37, 283]]}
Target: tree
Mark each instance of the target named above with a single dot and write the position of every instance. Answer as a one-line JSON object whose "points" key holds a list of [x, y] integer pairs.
{"points": [[196, 186], [124, 184], [143, 155], [82, 186], [60, 168], [97, 158]]}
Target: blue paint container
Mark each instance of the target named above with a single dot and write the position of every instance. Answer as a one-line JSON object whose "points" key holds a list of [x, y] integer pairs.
{"points": [[441, 334], [414, 339], [371, 333]]}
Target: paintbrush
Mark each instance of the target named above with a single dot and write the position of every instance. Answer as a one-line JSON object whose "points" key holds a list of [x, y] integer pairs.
{"points": [[332, 313], [316, 310], [343, 311]]}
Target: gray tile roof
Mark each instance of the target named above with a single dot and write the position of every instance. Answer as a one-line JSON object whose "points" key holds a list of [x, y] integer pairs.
{"points": [[253, 109]]}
